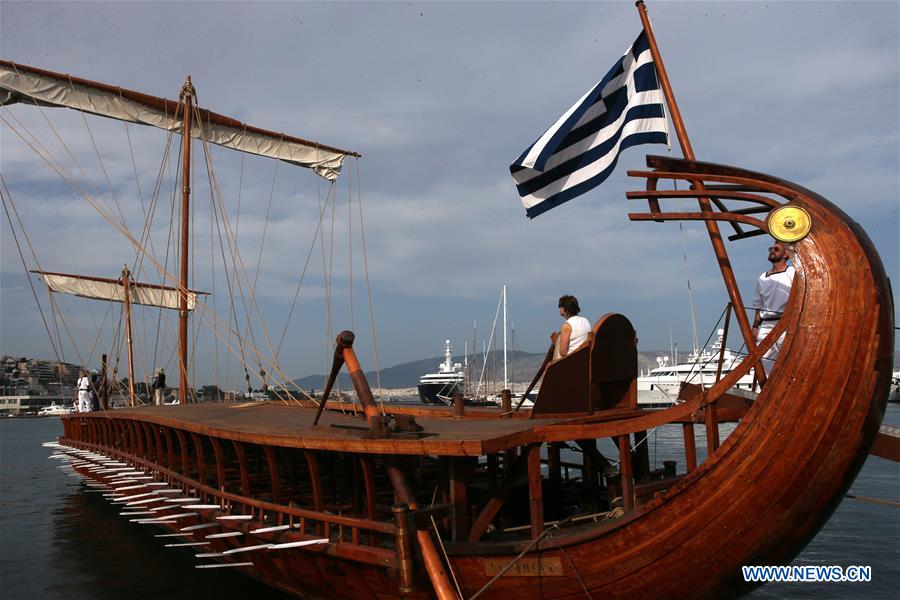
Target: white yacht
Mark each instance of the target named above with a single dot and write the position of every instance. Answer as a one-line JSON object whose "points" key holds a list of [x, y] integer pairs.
{"points": [[55, 410], [661, 386], [440, 387], [895, 387]]}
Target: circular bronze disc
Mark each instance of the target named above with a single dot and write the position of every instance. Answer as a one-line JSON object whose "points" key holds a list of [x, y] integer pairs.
{"points": [[789, 223]]}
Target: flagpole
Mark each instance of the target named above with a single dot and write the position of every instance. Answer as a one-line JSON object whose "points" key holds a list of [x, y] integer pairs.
{"points": [[711, 226]]}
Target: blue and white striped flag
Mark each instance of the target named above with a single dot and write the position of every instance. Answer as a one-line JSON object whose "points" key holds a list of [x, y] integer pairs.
{"points": [[580, 150]]}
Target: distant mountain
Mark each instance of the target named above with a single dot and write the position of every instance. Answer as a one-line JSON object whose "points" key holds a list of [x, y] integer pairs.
{"points": [[522, 367]]}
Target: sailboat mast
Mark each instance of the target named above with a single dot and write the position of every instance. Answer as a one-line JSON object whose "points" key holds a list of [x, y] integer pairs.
{"points": [[505, 376], [187, 95], [126, 278]]}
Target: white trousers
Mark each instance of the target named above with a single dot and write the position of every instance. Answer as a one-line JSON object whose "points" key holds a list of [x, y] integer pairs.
{"points": [[770, 356], [84, 401], [158, 396]]}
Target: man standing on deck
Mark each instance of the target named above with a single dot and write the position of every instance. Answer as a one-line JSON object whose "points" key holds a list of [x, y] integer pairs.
{"points": [[159, 387], [773, 288], [84, 392]]}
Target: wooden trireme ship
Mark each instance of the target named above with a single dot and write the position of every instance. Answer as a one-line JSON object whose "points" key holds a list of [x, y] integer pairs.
{"points": [[382, 501]]}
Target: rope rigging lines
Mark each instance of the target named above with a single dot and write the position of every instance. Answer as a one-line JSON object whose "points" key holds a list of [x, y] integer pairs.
{"points": [[237, 333]]}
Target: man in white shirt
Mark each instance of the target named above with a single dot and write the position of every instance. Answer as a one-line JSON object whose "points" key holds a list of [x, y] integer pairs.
{"points": [[773, 288], [84, 392]]}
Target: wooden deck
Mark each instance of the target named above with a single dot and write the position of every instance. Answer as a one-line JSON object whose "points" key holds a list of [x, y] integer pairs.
{"points": [[276, 424]]}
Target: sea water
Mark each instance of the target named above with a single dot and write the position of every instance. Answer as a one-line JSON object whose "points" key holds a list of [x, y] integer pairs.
{"points": [[59, 541]]}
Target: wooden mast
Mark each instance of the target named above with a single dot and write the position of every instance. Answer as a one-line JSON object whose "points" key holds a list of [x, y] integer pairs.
{"points": [[187, 95], [712, 227], [126, 276]]}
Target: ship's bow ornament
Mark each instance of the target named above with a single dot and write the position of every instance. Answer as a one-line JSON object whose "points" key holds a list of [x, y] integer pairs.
{"points": [[789, 224]]}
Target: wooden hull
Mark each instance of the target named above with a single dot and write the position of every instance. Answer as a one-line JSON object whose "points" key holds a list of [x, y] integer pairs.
{"points": [[757, 500], [780, 475]]}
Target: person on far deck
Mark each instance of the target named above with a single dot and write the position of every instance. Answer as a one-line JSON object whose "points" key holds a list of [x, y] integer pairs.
{"points": [[574, 331], [773, 288], [84, 392], [159, 387]]}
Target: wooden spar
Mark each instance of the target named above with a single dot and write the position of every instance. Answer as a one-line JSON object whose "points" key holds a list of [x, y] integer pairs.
{"points": [[712, 227], [344, 354], [537, 376], [433, 563], [187, 94], [345, 343], [336, 365], [126, 276]]}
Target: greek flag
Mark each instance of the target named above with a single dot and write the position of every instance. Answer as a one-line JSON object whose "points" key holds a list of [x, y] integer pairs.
{"points": [[580, 150]]}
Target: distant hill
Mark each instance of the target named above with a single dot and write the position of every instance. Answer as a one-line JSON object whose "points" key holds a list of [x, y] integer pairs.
{"points": [[522, 367]]}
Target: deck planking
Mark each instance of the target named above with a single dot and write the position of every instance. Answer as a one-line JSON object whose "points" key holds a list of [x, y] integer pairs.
{"points": [[275, 424]]}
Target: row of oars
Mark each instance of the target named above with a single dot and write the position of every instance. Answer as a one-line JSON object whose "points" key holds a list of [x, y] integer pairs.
{"points": [[146, 501]]}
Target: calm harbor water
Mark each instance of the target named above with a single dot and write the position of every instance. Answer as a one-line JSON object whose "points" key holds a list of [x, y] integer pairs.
{"points": [[60, 542]]}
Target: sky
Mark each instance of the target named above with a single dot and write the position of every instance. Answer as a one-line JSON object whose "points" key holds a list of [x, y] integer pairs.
{"points": [[438, 98]]}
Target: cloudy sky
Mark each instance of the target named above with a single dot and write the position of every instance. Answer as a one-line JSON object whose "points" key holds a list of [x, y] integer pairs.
{"points": [[439, 98]]}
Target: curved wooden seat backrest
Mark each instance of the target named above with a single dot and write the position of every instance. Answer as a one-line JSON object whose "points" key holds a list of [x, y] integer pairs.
{"points": [[613, 377], [600, 374], [564, 388]]}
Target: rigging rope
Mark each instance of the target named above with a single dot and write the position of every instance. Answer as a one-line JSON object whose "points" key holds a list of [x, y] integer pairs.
{"points": [[362, 233], [303, 273], [12, 229], [144, 245]]}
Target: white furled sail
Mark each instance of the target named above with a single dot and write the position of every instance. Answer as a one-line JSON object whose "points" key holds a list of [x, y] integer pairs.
{"points": [[114, 290], [21, 83]]}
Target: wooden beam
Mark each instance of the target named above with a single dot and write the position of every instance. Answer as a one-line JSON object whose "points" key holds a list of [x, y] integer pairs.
{"points": [[497, 500], [535, 490], [460, 471], [242, 463], [272, 459]]}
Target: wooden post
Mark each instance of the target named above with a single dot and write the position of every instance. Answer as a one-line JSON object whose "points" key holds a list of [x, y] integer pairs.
{"points": [[404, 548], [625, 473], [185, 453], [505, 402], [535, 491], [712, 227], [460, 467], [187, 95], [492, 472], [642, 456], [459, 406], [104, 383], [125, 283], [272, 460], [690, 447], [588, 468], [170, 448], [712, 427], [242, 463], [434, 566]]}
